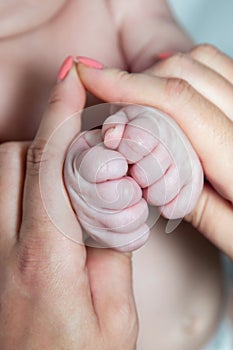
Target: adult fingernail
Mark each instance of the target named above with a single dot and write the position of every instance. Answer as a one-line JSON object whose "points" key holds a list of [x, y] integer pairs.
{"points": [[65, 68], [163, 55], [90, 62]]}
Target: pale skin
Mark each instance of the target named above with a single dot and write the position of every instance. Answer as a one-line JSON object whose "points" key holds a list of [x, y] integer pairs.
{"points": [[140, 157], [41, 271], [26, 77], [204, 69], [177, 84], [54, 293], [35, 41]]}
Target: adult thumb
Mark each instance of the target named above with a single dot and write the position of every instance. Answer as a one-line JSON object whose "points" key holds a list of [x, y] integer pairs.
{"points": [[110, 276], [44, 200]]}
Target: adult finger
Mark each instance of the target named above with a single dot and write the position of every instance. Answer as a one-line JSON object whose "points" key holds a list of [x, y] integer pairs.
{"points": [[219, 229], [46, 208], [206, 126], [12, 172], [204, 79], [112, 297], [213, 58]]}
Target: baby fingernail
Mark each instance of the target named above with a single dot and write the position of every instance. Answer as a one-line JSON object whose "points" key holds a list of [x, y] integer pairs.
{"points": [[65, 68], [90, 62]]}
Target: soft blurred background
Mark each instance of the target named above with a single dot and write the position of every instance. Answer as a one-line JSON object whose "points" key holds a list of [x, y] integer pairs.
{"points": [[209, 21]]}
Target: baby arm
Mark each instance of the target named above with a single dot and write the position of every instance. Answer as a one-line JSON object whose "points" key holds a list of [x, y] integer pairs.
{"points": [[139, 157]]}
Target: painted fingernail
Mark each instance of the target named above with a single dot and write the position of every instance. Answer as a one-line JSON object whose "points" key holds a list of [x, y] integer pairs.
{"points": [[65, 68], [90, 62], [163, 55]]}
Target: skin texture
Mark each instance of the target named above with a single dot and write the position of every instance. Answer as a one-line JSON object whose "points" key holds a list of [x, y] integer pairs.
{"points": [[30, 60], [29, 64], [42, 261], [50, 293], [188, 95], [139, 157], [218, 120], [19, 17]]}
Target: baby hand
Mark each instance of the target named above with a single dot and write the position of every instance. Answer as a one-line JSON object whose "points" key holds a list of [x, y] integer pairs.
{"points": [[187, 88], [140, 157], [108, 203]]}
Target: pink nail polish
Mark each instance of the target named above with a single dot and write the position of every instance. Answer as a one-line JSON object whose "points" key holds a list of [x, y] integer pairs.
{"points": [[89, 62], [163, 55], [65, 68]]}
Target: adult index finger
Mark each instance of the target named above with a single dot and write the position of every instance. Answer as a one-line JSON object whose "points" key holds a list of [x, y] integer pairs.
{"points": [[207, 127]]}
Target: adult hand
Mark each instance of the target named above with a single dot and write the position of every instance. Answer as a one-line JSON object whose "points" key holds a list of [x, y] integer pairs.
{"points": [[55, 294], [196, 90]]}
